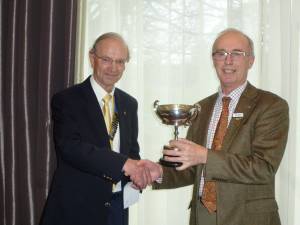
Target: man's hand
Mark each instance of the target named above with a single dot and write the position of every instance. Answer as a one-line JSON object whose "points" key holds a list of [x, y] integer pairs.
{"points": [[186, 152], [139, 175], [155, 169]]}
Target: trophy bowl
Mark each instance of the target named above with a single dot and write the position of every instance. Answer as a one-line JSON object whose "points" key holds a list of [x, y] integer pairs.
{"points": [[176, 115]]}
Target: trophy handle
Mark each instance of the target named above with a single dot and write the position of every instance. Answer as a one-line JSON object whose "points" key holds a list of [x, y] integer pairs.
{"points": [[194, 112], [155, 105], [197, 106]]}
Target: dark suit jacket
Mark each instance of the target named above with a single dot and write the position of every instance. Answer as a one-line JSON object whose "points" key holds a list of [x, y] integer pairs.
{"points": [[87, 167], [244, 170]]}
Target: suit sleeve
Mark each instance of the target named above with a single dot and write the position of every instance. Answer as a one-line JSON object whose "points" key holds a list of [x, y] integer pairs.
{"points": [[174, 179], [255, 155], [74, 149]]}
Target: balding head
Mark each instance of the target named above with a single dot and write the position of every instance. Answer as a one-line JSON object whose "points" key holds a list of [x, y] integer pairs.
{"points": [[233, 30], [110, 35]]}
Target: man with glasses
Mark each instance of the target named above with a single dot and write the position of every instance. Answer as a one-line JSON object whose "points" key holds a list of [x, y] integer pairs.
{"points": [[234, 147], [95, 133]]}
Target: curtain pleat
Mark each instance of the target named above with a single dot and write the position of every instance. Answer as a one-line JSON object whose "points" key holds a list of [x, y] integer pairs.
{"points": [[37, 59]]}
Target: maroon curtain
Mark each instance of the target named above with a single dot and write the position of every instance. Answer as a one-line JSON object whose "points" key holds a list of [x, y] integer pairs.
{"points": [[37, 59]]}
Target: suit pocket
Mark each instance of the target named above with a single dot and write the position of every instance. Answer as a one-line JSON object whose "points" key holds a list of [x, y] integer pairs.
{"points": [[261, 211], [261, 205]]}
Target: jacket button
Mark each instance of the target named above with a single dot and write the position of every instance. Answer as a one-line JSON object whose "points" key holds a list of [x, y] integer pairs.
{"points": [[107, 204]]}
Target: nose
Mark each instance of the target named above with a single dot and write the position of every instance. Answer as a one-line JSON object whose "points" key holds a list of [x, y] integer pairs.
{"points": [[114, 66], [228, 60]]}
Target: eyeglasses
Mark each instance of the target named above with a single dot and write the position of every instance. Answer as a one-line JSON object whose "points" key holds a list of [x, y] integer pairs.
{"points": [[109, 61], [235, 55]]}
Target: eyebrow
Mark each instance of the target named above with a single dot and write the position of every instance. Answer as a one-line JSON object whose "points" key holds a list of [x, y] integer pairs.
{"points": [[224, 50]]}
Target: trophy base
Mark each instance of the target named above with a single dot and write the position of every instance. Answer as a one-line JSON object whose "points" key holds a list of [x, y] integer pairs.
{"points": [[169, 164], [166, 163]]}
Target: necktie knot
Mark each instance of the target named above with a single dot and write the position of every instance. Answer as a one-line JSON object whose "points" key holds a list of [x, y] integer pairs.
{"points": [[226, 101], [106, 99]]}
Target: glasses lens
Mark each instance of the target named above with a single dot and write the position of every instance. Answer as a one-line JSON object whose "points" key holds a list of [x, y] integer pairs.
{"points": [[219, 55], [237, 54]]}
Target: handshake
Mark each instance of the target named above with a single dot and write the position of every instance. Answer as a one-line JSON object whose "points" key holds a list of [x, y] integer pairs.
{"points": [[142, 172], [145, 172]]}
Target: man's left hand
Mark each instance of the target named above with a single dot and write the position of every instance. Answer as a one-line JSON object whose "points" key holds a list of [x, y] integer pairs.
{"points": [[186, 152]]}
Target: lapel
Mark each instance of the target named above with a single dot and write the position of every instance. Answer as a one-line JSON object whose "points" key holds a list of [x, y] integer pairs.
{"points": [[122, 113], [201, 126], [94, 113], [205, 117], [246, 105]]}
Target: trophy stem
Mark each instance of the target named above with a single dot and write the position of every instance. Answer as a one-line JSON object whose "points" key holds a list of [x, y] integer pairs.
{"points": [[176, 132]]}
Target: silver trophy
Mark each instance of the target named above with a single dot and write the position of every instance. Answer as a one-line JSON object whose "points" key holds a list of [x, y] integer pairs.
{"points": [[176, 115]]}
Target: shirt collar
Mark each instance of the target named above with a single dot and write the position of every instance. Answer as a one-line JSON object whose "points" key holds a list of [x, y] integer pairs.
{"points": [[99, 91], [235, 94]]}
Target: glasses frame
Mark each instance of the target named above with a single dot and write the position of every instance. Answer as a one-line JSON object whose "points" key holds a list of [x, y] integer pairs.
{"points": [[109, 61], [234, 55]]}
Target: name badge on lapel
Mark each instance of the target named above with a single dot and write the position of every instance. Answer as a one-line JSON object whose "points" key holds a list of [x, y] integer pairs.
{"points": [[237, 116]]}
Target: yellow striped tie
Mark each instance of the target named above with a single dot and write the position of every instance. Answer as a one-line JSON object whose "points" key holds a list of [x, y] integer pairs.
{"points": [[107, 117], [106, 112]]}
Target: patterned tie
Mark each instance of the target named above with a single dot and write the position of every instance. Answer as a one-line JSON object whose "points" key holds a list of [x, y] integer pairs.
{"points": [[209, 196], [106, 112], [107, 117]]}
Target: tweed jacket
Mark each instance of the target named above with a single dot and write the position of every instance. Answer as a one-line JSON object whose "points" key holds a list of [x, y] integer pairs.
{"points": [[244, 170]]}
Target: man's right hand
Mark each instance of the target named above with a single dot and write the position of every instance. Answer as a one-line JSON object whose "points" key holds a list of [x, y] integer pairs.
{"points": [[155, 169], [140, 176]]}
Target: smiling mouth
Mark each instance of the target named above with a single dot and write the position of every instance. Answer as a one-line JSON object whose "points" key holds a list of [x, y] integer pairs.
{"points": [[229, 71], [111, 75]]}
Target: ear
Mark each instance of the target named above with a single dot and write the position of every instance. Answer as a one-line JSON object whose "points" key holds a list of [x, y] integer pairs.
{"points": [[251, 61], [92, 59]]}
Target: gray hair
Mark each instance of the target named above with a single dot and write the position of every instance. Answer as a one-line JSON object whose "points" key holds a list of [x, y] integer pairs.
{"points": [[233, 30], [111, 35]]}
